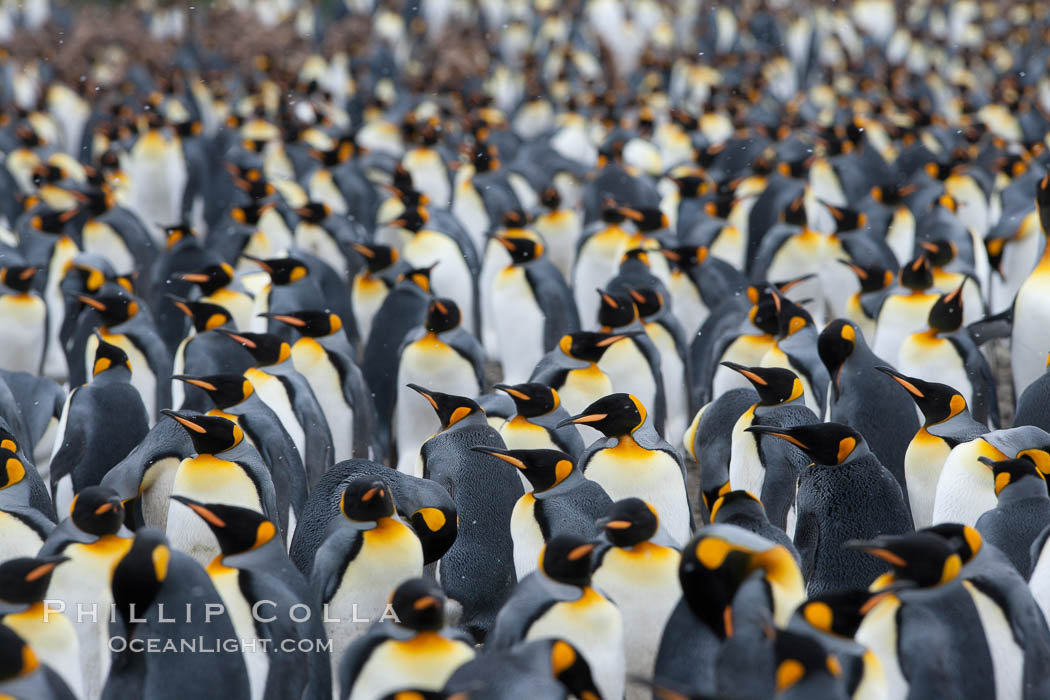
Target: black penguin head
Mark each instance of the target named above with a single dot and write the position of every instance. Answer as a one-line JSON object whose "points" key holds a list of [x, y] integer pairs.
{"points": [[939, 252], [18, 277], [917, 275], [611, 213], [872, 278], [210, 279], [250, 213], [572, 670], [108, 356], [733, 503], [442, 315], [237, 529], [16, 658], [265, 348], [313, 212], [377, 257], [800, 657], [938, 402], [764, 313], [224, 390], [532, 399], [514, 219], [791, 318], [366, 499], [1010, 471], [312, 324], [551, 198], [544, 469], [419, 276], [921, 559], [824, 443], [946, 315], [567, 559], [589, 346], [847, 219], [436, 528], [25, 579], [836, 343], [684, 258], [521, 249], [892, 195], [795, 212], [412, 219], [450, 409], [839, 613], [963, 539], [204, 315], [13, 471], [98, 511], [614, 415], [616, 309], [773, 384], [629, 522], [113, 307], [647, 219], [648, 301], [53, 222], [419, 604], [282, 271], [210, 434], [140, 574]]}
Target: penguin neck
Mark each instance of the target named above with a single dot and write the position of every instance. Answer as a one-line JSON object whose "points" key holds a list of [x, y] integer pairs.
{"points": [[1027, 487], [628, 445], [113, 375], [574, 479]]}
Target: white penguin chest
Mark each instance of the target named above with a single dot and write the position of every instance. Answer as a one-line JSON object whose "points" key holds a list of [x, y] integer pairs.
{"points": [[966, 488], [425, 662], [526, 535], [519, 324]]}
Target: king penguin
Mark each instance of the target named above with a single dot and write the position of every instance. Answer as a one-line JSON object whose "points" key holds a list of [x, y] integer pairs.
{"points": [[572, 369], [23, 675], [533, 424], [1030, 337], [217, 284], [24, 313], [631, 460], [1021, 512]]}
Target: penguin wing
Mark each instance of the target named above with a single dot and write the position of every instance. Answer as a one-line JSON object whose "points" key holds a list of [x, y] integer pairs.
{"points": [[985, 400], [319, 450], [530, 599], [554, 300], [467, 346], [357, 654], [145, 337], [331, 560], [166, 439], [278, 451], [807, 540], [39, 400], [706, 348]]}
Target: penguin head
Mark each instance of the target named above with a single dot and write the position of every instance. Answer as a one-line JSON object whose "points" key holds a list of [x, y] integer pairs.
{"points": [[614, 415], [846, 219], [450, 409], [532, 399], [551, 198], [140, 573], [648, 301], [735, 503], [946, 314], [108, 356], [419, 276], [18, 277], [825, 443], [236, 529], [442, 315], [113, 307], [872, 278], [803, 659], [791, 318], [572, 670], [209, 434], [13, 471], [25, 579], [16, 658], [839, 612], [939, 252], [795, 212], [97, 510], [567, 559], [836, 343], [51, 221], [684, 258], [419, 604], [616, 310], [377, 257], [311, 324], [647, 219], [1010, 471], [436, 527], [520, 249], [211, 278], [893, 195], [938, 402], [544, 469], [266, 348], [224, 390], [918, 559], [514, 219], [411, 219], [282, 271], [917, 275], [629, 522], [611, 213], [313, 212], [963, 539], [366, 499], [204, 315], [250, 213], [774, 385], [589, 346]]}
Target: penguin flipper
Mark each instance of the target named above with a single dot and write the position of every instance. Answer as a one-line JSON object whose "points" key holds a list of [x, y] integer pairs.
{"points": [[555, 300], [289, 672], [992, 327], [807, 541], [358, 653], [331, 560]]}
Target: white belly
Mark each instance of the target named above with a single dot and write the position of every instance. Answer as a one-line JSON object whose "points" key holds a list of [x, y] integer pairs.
{"points": [[656, 479], [156, 490], [1007, 655], [100, 238], [25, 332], [934, 361], [966, 488], [923, 463], [595, 266], [746, 470], [1030, 340], [899, 317], [878, 632], [451, 278], [496, 259], [526, 535], [423, 663], [324, 380], [686, 303], [314, 240], [519, 324], [675, 389], [256, 659], [470, 210], [271, 391], [1039, 582]]}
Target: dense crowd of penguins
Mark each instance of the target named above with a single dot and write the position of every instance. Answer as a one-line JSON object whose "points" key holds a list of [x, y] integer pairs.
{"points": [[503, 350]]}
